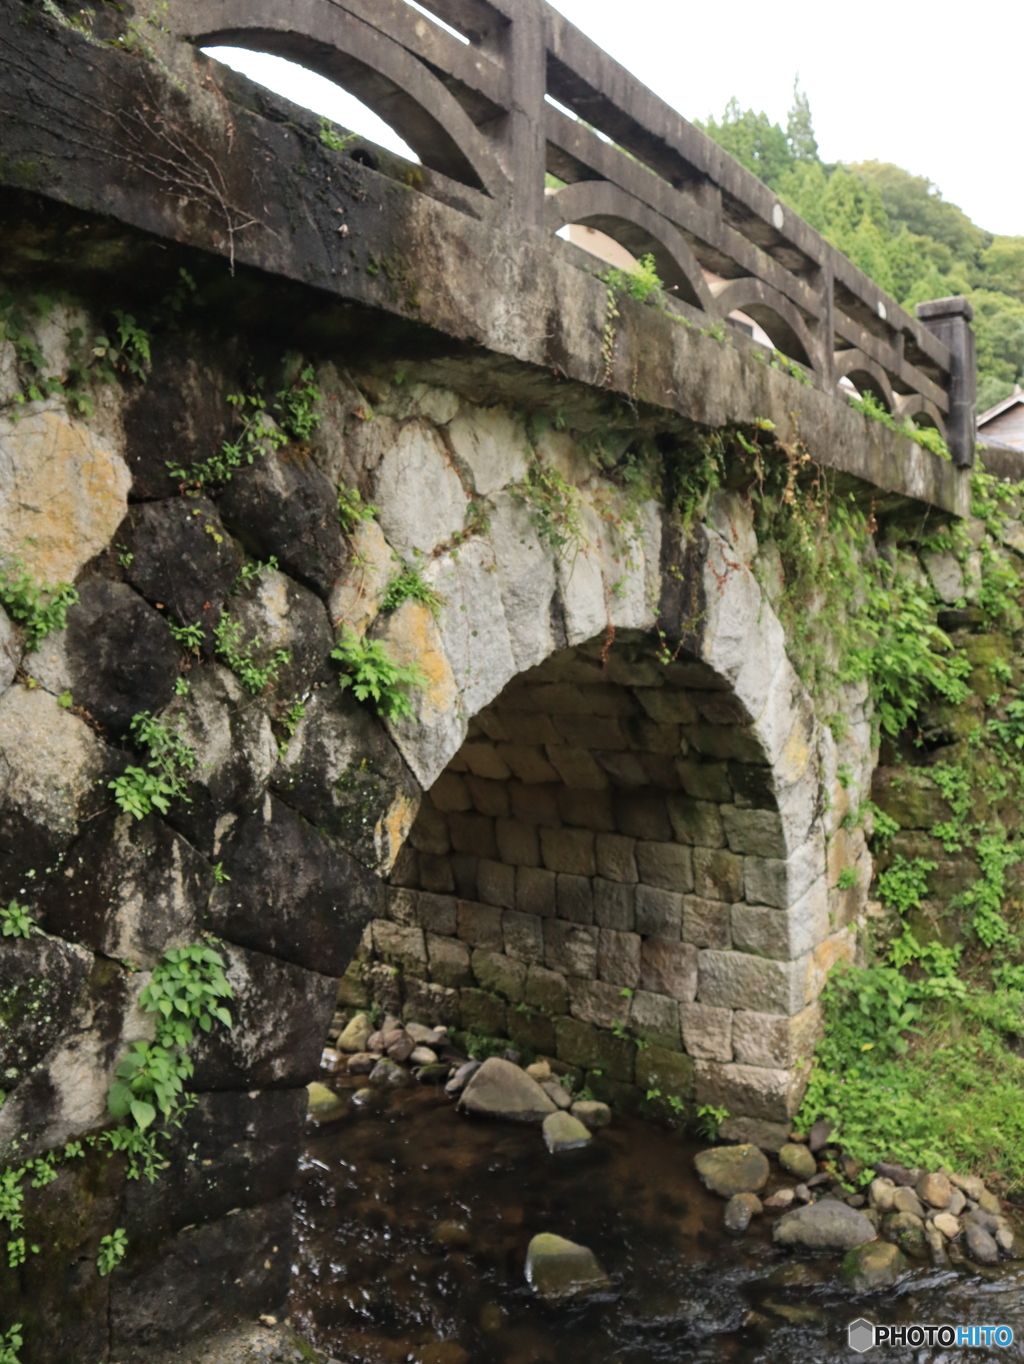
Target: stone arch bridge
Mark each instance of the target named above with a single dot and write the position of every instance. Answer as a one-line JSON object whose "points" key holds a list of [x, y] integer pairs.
{"points": [[615, 780]]}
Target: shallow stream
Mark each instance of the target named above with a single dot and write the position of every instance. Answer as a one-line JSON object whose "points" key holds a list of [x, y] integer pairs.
{"points": [[414, 1223]]}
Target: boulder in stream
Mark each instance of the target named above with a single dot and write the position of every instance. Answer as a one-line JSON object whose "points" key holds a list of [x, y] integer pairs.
{"points": [[500, 1089], [356, 1034], [873, 1265], [557, 1269], [728, 1170], [563, 1132], [592, 1113], [323, 1104], [388, 1074], [828, 1225], [797, 1160], [739, 1210], [907, 1230], [980, 1245]]}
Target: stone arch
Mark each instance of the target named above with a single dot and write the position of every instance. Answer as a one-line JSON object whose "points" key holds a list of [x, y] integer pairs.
{"points": [[597, 203], [376, 68], [780, 318], [922, 411], [866, 375]]}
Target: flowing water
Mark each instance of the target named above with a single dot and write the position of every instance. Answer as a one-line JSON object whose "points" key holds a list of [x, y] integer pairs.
{"points": [[414, 1223]]}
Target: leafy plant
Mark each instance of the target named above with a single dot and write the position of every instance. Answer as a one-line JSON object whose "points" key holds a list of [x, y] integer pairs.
{"points": [[112, 1251], [189, 636], [904, 883], [352, 510], [375, 676], [249, 574], [39, 610], [337, 142], [11, 1342], [17, 921], [140, 790], [131, 352], [709, 1119], [642, 283], [240, 659], [925, 436], [410, 586], [847, 878], [554, 506]]}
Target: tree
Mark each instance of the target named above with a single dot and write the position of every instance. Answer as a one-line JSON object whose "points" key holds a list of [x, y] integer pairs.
{"points": [[799, 128]]}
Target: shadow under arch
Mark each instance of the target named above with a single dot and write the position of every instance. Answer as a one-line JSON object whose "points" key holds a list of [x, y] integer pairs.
{"points": [[773, 312], [375, 68], [921, 411], [600, 204], [866, 375]]}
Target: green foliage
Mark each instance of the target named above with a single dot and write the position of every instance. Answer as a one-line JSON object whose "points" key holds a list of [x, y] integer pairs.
{"points": [[410, 586], [709, 1119], [189, 636], [641, 283], [17, 921], [481, 1045], [240, 657], [131, 352], [186, 989], [294, 408], [112, 1251], [847, 878], [39, 610], [140, 790], [11, 1342], [375, 676], [352, 510], [904, 884], [250, 574], [336, 142], [925, 436], [554, 507]]}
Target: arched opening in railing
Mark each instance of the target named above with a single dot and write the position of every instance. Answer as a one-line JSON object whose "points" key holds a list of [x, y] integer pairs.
{"points": [[866, 376], [773, 313]]}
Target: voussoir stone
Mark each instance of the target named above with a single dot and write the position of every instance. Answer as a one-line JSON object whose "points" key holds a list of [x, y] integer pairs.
{"points": [[500, 1089], [557, 1269], [796, 1160], [827, 1225], [729, 1170]]}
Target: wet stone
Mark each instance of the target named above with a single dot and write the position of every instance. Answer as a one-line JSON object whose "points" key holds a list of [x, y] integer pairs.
{"points": [[739, 1210], [728, 1170], [435, 1074], [798, 1161], [591, 1113], [557, 1269], [874, 1265], [907, 1230], [563, 1132], [981, 1247], [827, 1225], [356, 1034], [461, 1078], [323, 1105], [934, 1190], [387, 1074], [782, 1198], [500, 1089], [362, 1062]]}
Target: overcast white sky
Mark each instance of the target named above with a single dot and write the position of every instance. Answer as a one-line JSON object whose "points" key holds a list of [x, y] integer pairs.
{"points": [[934, 87]]}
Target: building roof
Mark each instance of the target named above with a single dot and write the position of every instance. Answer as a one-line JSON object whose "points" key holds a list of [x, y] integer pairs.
{"points": [[1016, 398]]}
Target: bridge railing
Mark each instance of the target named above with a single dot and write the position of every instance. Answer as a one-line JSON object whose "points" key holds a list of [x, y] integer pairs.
{"points": [[501, 93]]}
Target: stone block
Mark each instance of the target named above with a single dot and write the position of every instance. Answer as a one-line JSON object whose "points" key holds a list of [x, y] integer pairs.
{"points": [[383, 986], [649, 736], [618, 957], [496, 883], [696, 821], [527, 762], [776, 1041], [480, 925], [430, 1003], [400, 946], [463, 874], [757, 832], [546, 991], [450, 792], [669, 866], [624, 1098], [404, 906], [529, 1028], [472, 833], [587, 809], [625, 768], [518, 844], [575, 898], [616, 858], [581, 1044], [483, 1013], [570, 948], [577, 768], [669, 968], [706, 923], [737, 980], [717, 874], [753, 785], [499, 974], [449, 962], [707, 1031], [569, 850], [483, 759], [659, 913], [642, 814], [655, 1018], [591, 731], [438, 913], [437, 874], [725, 741], [782, 933], [535, 891], [535, 804], [704, 780], [670, 1071], [597, 1002], [613, 905], [524, 936], [667, 705], [429, 832], [489, 797], [528, 727], [773, 1095]]}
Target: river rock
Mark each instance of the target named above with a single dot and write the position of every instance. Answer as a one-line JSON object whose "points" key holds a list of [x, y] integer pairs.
{"points": [[388, 1074], [501, 1090], [819, 1134], [988, 1202], [907, 1230], [827, 1225], [591, 1113], [323, 1104], [539, 1071], [739, 1210], [988, 1220], [563, 1132], [434, 1074], [899, 1174], [398, 1045], [451, 1233], [873, 1265], [937, 1247], [461, 1078], [1004, 1239], [782, 1198], [557, 1269], [934, 1190], [770, 1137], [948, 1225], [880, 1193], [356, 1034], [980, 1245], [728, 1170], [330, 1060], [422, 1056], [362, 1062], [971, 1185], [798, 1161], [556, 1093], [802, 1193], [957, 1202], [375, 1042], [426, 1037], [906, 1200]]}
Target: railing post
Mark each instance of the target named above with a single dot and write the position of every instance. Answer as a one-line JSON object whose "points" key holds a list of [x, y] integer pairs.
{"points": [[950, 320], [525, 140]]}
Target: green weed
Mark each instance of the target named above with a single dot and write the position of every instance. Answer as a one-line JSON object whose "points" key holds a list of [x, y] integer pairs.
{"points": [[375, 676], [38, 610]]}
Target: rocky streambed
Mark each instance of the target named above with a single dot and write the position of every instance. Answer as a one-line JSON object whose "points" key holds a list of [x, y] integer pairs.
{"points": [[477, 1226]]}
